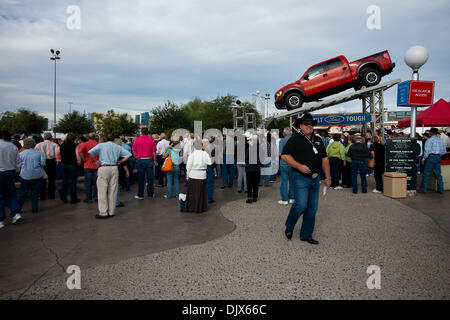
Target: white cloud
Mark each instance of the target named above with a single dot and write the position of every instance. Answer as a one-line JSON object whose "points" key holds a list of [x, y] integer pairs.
{"points": [[138, 54]]}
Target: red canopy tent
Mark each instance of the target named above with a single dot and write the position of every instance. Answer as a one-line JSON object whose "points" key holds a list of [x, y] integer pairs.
{"points": [[437, 115]]}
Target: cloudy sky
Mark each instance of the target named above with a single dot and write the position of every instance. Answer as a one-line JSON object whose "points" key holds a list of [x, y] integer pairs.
{"points": [[135, 55]]}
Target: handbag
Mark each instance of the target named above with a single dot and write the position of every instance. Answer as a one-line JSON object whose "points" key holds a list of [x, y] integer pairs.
{"points": [[371, 162], [168, 163]]}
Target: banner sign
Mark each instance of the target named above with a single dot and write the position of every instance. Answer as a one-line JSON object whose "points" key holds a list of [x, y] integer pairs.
{"points": [[415, 93], [402, 156], [342, 119]]}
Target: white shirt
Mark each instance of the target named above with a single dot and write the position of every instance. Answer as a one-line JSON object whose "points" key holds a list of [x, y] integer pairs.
{"points": [[446, 140], [187, 149], [161, 146], [197, 163]]}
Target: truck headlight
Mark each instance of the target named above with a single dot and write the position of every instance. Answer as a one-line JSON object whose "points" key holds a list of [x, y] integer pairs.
{"points": [[278, 93]]}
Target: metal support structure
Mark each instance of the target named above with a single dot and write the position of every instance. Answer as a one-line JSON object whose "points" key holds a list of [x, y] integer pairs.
{"points": [[243, 120], [373, 103]]}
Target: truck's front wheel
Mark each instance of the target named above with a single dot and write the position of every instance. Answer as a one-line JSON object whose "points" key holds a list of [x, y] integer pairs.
{"points": [[371, 77], [294, 100]]}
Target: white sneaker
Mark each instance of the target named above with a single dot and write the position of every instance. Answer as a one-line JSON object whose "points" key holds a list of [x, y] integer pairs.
{"points": [[338, 188], [137, 197], [165, 196], [283, 202], [16, 218], [2, 224], [291, 200], [376, 191]]}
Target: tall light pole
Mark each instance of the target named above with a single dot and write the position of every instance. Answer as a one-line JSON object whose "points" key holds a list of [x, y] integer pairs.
{"points": [[415, 57], [70, 106], [267, 97], [54, 57]]}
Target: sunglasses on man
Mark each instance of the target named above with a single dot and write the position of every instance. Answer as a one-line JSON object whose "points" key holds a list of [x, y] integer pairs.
{"points": [[308, 123]]}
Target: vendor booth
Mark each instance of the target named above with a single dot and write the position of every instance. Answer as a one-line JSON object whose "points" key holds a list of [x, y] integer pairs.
{"points": [[437, 115]]}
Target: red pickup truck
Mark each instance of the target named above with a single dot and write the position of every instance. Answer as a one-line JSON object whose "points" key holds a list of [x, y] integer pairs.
{"points": [[333, 76]]}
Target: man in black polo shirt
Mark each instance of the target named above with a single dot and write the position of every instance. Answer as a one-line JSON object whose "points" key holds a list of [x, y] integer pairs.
{"points": [[306, 154]]}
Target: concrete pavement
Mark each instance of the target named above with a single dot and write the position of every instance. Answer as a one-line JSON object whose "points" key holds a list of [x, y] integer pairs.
{"points": [[234, 251]]}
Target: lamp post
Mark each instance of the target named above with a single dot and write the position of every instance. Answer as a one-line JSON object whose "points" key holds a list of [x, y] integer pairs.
{"points": [[415, 57], [70, 106], [54, 58], [267, 97]]}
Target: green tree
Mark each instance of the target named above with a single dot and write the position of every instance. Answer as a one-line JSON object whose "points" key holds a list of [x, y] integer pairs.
{"points": [[129, 128], [169, 116], [74, 122], [111, 123], [22, 121]]}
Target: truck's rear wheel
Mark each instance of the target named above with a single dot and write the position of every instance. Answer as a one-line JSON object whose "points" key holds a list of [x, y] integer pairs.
{"points": [[294, 100], [370, 77]]}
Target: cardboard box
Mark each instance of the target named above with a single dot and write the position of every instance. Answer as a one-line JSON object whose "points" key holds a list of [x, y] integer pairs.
{"points": [[394, 184]]}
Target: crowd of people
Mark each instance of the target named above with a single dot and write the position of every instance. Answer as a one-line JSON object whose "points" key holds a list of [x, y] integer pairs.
{"points": [[110, 164]]}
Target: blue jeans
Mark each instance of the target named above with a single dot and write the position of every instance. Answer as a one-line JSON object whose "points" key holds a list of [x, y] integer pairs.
{"points": [[119, 187], [286, 176], [90, 177], [69, 178], [145, 173], [173, 177], [26, 186], [219, 170], [265, 178], [359, 165], [228, 174], [306, 195], [210, 183], [432, 164], [242, 177], [8, 193], [335, 168]]}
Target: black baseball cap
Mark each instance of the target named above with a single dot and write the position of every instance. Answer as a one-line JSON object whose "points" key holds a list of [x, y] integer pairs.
{"points": [[306, 116]]}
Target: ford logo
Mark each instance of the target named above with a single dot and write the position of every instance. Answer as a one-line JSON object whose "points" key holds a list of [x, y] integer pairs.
{"points": [[334, 119]]}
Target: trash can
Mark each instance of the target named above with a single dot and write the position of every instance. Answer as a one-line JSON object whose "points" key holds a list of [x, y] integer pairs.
{"points": [[394, 184]]}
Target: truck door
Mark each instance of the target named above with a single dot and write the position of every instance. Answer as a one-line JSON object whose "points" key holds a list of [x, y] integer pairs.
{"points": [[337, 73], [315, 84]]}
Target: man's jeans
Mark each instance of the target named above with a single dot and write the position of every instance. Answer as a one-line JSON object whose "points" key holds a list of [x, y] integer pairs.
{"points": [[286, 176], [228, 174], [26, 186], [335, 168], [145, 173], [359, 165], [432, 164], [90, 178], [173, 177], [306, 195], [8, 193], [69, 177], [210, 183]]}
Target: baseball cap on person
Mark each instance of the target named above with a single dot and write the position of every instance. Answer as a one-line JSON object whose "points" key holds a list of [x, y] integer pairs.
{"points": [[305, 117]]}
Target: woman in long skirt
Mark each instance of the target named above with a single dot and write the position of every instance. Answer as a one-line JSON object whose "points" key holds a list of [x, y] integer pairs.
{"points": [[198, 161]]}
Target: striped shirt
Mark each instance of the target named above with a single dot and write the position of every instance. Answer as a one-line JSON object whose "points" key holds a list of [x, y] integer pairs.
{"points": [[434, 145], [48, 148]]}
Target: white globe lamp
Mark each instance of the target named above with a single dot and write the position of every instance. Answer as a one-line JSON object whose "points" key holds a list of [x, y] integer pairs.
{"points": [[416, 57]]}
